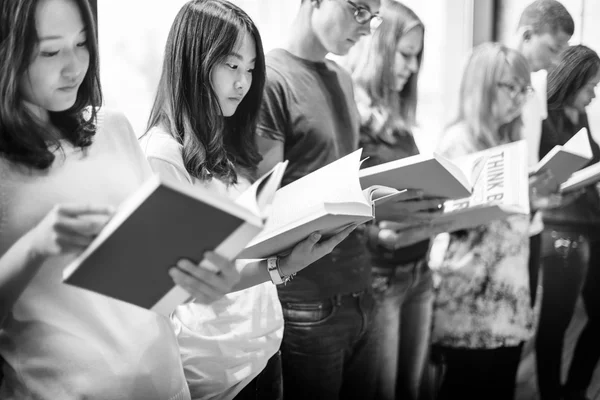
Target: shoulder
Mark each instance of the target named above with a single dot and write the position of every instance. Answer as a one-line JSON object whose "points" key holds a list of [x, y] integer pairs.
{"points": [[454, 142], [159, 144], [114, 126]]}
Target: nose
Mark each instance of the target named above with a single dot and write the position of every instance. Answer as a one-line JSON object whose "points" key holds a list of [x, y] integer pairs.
{"points": [[413, 64], [242, 82], [73, 65]]}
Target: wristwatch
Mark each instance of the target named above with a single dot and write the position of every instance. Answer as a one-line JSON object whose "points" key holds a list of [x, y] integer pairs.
{"points": [[273, 268], [277, 277]]}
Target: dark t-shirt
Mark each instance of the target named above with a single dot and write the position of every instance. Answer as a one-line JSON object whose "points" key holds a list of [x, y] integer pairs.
{"points": [[309, 106], [583, 213]]}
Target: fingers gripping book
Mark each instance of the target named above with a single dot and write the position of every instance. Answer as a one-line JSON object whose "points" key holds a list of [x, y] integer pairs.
{"points": [[159, 224]]}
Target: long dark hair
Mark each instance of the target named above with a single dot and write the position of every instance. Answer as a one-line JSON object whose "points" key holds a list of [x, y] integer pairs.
{"points": [[203, 34], [23, 138], [577, 65]]}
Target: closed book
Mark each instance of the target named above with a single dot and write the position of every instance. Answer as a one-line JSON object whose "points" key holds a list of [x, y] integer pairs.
{"points": [[161, 223]]}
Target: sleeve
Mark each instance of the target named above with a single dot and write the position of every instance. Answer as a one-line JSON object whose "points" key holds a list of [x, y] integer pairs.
{"points": [[169, 171], [453, 143], [539, 81], [274, 119], [118, 122]]}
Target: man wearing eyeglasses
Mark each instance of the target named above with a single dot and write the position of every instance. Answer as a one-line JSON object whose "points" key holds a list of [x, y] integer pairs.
{"points": [[309, 117]]}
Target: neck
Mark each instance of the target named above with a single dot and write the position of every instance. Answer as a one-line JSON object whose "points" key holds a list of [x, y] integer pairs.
{"points": [[303, 41], [39, 112], [572, 114]]}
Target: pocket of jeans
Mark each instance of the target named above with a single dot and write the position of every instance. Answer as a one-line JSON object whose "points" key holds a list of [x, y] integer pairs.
{"points": [[308, 314]]}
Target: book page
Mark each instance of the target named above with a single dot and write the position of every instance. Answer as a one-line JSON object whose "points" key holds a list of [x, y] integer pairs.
{"points": [[259, 197], [579, 144], [436, 176], [562, 161], [582, 178], [503, 180], [335, 183]]}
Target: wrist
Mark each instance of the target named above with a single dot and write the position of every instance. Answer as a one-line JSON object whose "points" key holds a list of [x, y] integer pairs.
{"points": [[285, 266], [32, 251], [279, 270]]}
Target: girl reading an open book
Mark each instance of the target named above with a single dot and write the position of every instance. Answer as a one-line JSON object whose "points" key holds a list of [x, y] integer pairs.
{"points": [[385, 70], [482, 311], [201, 131], [65, 164], [570, 237]]}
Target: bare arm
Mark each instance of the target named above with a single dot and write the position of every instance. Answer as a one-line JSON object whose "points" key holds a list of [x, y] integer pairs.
{"points": [[18, 266], [66, 228]]}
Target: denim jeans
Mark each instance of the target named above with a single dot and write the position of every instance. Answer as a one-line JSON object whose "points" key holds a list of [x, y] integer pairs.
{"points": [[565, 257], [402, 323], [328, 350], [268, 385], [587, 351]]}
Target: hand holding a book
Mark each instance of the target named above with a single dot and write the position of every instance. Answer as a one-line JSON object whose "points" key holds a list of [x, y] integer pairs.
{"points": [[544, 192], [411, 206], [396, 235], [68, 228], [208, 281], [312, 249]]}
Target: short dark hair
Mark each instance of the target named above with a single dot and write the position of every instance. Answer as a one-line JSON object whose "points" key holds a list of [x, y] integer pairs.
{"points": [[547, 16], [203, 34], [577, 65], [23, 138]]}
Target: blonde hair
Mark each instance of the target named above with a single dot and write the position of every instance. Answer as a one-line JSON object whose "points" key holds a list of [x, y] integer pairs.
{"points": [[479, 92], [371, 63]]}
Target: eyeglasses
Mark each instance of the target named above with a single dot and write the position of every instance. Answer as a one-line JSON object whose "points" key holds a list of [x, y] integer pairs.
{"points": [[363, 15], [515, 90]]}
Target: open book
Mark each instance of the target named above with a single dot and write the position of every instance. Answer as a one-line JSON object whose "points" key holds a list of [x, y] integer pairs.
{"points": [[327, 200], [435, 175], [161, 223], [501, 190], [582, 178], [564, 160]]}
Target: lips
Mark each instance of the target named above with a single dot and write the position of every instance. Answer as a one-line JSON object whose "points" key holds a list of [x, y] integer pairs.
{"points": [[70, 87]]}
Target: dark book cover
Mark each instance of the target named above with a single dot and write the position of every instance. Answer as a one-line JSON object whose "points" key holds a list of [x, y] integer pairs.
{"points": [[160, 224]]}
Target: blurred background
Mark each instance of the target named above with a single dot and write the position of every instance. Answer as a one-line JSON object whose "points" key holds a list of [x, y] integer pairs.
{"points": [[132, 35], [131, 48]]}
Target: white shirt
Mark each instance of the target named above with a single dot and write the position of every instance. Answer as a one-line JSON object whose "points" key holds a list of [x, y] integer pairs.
{"points": [[534, 112], [226, 344], [63, 342]]}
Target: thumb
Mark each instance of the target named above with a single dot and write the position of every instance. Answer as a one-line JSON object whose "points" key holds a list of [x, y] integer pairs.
{"points": [[315, 237]]}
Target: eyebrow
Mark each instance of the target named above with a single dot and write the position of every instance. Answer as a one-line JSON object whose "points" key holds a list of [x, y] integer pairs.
{"points": [[239, 57], [55, 37]]}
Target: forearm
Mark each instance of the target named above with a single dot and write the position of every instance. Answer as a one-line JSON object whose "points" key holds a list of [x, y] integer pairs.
{"points": [[253, 273], [18, 266]]}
